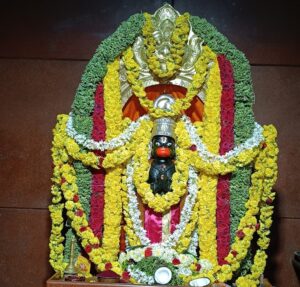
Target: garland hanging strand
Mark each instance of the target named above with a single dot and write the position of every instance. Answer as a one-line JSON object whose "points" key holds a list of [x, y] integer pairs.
{"points": [[211, 137], [112, 199]]}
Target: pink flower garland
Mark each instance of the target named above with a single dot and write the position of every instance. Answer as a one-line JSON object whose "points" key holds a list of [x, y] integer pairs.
{"points": [[226, 144], [98, 176]]}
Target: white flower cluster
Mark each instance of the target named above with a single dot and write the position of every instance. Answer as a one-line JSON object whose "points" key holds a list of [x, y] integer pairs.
{"points": [[91, 144], [140, 276], [205, 265], [185, 214], [166, 254], [194, 243], [209, 157]]}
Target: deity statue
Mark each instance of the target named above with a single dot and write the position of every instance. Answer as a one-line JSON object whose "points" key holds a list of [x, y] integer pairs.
{"points": [[160, 170]]}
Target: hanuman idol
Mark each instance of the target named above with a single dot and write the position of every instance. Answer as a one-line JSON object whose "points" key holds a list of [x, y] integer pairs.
{"points": [[161, 174]]}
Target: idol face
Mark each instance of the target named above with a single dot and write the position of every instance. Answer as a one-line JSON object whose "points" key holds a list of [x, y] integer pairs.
{"points": [[163, 147]]}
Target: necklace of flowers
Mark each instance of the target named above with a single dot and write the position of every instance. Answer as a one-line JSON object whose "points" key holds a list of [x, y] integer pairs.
{"points": [[114, 143], [141, 166], [185, 214], [206, 155], [178, 41], [202, 66]]}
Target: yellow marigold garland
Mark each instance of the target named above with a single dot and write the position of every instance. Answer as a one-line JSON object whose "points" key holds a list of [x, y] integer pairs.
{"points": [[218, 167], [133, 71], [118, 156], [79, 221], [112, 215], [185, 238], [266, 211], [112, 199], [112, 100], [68, 147], [87, 158], [63, 150], [208, 183], [178, 41]]}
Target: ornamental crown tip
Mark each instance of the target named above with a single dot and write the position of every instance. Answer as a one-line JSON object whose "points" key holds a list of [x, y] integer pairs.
{"points": [[166, 12]]}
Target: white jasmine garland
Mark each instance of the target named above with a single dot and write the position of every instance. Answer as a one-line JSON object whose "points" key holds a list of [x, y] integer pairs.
{"points": [[133, 209], [209, 157], [91, 144], [192, 249], [185, 214]]}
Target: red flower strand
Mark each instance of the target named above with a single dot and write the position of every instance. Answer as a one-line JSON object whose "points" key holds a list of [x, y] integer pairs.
{"points": [[226, 144], [98, 176]]}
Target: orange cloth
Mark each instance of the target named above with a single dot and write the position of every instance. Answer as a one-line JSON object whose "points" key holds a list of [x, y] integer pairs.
{"points": [[134, 110]]}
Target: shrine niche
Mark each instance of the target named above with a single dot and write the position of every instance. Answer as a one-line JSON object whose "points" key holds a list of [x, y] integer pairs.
{"points": [[161, 174]]}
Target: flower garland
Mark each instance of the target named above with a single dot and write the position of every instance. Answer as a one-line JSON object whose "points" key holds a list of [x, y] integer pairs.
{"points": [[70, 147], [211, 137], [230, 156], [98, 176], [113, 203], [226, 144], [112, 100], [59, 157], [184, 144], [102, 145], [131, 236], [192, 249], [178, 41], [133, 72], [266, 211], [56, 239]]}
